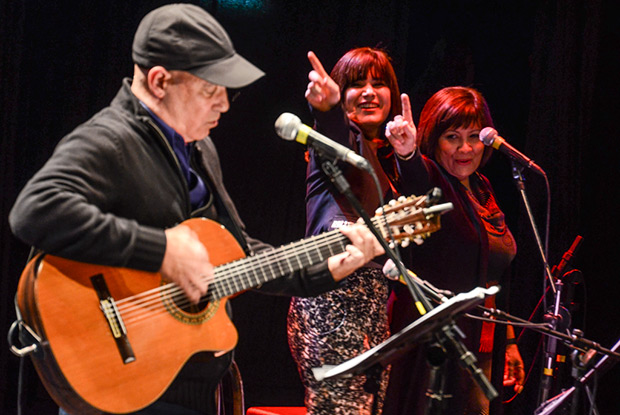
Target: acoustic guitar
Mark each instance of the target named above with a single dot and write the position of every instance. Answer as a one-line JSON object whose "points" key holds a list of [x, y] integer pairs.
{"points": [[113, 339]]}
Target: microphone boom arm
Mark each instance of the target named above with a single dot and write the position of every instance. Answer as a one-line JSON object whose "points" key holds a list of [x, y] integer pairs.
{"points": [[342, 185]]}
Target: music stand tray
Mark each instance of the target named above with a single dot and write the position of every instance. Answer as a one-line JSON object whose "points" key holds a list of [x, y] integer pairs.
{"points": [[402, 341]]}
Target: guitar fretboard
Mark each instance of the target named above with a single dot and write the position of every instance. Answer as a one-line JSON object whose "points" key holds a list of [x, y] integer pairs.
{"points": [[268, 265]]}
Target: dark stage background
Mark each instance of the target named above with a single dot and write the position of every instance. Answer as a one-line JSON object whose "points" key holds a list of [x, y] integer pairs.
{"points": [[548, 69]]}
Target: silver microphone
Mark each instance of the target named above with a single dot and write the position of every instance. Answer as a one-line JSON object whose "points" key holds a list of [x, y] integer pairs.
{"points": [[390, 270], [489, 137], [289, 127]]}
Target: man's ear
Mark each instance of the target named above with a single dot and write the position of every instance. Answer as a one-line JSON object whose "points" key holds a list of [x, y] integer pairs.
{"points": [[158, 79]]}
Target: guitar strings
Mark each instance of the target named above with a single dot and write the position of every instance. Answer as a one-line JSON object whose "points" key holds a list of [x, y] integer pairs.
{"points": [[240, 268], [148, 303]]}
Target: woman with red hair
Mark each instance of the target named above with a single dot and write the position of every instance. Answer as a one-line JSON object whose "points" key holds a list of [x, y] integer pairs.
{"points": [[473, 248]]}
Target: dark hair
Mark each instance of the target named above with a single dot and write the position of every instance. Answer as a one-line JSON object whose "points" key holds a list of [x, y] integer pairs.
{"points": [[357, 63], [452, 107]]}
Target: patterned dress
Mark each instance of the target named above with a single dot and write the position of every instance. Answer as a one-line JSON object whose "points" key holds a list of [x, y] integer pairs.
{"points": [[334, 327]]}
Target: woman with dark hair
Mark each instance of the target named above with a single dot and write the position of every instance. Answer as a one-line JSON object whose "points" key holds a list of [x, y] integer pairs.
{"points": [[473, 248], [352, 107]]}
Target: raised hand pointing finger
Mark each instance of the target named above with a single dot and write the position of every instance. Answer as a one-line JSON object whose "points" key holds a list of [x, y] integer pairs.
{"points": [[317, 65], [406, 104], [401, 131], [322, 92]]}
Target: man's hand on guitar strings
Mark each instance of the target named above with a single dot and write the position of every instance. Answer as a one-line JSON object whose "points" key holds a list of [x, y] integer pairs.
{"points": [[363, 247], [186, 262]]}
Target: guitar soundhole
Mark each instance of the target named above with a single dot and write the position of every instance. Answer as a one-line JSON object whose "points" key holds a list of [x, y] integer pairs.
{"points": [[181, 309], [184, 305]]}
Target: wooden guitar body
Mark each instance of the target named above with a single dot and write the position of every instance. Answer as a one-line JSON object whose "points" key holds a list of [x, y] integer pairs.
{"points": [[80, 363]]}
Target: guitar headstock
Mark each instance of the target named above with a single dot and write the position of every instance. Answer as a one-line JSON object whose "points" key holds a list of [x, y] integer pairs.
{"points": [[411, 218]]}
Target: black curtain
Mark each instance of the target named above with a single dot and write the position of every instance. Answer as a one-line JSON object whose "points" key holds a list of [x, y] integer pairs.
{"points": [[547, 68]]}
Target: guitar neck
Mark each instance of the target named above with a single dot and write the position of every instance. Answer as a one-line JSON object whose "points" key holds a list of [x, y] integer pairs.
{"points": [[268, 265]]}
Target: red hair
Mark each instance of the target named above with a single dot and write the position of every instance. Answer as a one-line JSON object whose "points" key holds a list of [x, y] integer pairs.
{"points": [[452, 107]]}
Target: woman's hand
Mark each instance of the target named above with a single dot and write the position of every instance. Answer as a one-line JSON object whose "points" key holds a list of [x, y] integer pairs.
{"points": [[322, 92], [514, 375], [401, 131]]}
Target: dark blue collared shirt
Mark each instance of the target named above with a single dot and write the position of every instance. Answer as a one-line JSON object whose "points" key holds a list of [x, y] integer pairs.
{"points": [[198, 192]]}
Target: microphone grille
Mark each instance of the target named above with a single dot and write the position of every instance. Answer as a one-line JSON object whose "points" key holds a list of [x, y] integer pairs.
{"points": [[487, 135], [287, 125], [390, 270]]}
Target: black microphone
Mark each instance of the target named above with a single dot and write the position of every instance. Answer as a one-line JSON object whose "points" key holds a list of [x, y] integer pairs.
{"points": [[289, 127], [489, 137]]}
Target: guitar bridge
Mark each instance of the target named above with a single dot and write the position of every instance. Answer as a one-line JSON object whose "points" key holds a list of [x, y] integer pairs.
{"points": [[113, 317]]}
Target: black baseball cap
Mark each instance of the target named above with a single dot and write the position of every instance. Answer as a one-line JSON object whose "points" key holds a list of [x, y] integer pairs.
{"points": [[185, 37]]}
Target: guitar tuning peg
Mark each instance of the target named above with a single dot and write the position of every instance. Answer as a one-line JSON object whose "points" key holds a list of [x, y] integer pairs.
{"points": [[402, 199], [392, 202], [405, 243]]}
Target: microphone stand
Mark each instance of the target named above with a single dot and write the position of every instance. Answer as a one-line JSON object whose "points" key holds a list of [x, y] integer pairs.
{"points": [[581, 364], [467, 360], [559, 319], [550, 345], [335, 175], [575, 341], [446, 335], [517, 171]]}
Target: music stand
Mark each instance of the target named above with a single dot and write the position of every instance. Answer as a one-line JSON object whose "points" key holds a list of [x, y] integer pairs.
{"points": [[402, 341]]}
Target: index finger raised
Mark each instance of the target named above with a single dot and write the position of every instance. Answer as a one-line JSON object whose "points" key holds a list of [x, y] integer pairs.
{"points": [[316, 64], [406, 104]]}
